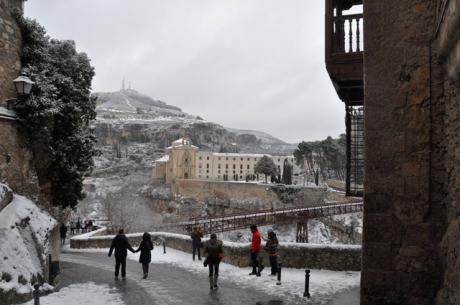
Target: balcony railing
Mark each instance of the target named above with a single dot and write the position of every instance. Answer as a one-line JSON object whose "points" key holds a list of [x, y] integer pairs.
{"points": [[346, 36]]}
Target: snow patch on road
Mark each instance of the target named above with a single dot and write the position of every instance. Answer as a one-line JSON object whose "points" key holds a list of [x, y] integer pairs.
{"points": [[86, 293]]}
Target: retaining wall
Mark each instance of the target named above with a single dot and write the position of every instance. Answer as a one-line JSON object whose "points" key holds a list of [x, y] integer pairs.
{"points": [[293, 255]]}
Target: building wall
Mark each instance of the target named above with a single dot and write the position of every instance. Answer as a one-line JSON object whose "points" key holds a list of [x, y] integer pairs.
{"points": [[214, 166], [10, 48], [15, 158], [411, 224]]}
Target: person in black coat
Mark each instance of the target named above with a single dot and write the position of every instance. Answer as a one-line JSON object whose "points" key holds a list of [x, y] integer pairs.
{"points": [[63, 233], [146, 257], [196, 242], [121, 245]]}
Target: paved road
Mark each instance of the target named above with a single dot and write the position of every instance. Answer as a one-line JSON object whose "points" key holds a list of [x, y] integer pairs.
{"points": [[166, 284]]}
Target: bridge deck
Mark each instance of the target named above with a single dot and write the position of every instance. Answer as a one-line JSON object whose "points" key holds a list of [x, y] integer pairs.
{"points": [[232, 222]]}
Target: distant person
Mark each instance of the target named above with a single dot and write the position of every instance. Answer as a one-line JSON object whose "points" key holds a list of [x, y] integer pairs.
{"points": [[256, 261], [145, 248], [90, 225], [78, 226], [196, 242], [121, 245], [63, 233], [72, 228], [214, 250], [272, 247]]}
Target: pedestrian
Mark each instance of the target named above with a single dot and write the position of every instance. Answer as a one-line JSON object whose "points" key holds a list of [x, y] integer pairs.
{"points": [[256, 261], [72, 228], [215, 253], [196, 242], [78, 226], [121, 246], [90, 225], [63, 233], [271, 247], [146, 257]]}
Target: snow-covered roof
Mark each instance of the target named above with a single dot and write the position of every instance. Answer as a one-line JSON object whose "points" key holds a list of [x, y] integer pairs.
{"points": [[7, 114], [182, 142], [165, 158]]}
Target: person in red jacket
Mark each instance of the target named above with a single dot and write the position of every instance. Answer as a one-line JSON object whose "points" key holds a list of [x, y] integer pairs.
{"points": [[256, 262]]}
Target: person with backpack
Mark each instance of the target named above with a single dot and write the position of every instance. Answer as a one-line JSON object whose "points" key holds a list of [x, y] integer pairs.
{"points": [[271, 247], [256, 261], [215, 253], [121, 246], [145, 248], [196, 242]]}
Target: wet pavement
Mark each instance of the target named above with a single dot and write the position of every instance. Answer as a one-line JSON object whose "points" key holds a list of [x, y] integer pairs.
{"points": [[166, 283]]}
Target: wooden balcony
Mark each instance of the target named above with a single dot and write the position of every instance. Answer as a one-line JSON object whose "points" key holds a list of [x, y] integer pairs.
{"points": [[344, 51]]}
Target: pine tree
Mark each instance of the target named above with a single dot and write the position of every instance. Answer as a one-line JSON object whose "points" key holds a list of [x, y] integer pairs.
{"points": [[265, 166]]}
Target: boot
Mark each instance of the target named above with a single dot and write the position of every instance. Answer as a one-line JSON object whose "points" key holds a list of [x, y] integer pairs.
{"points": [[215, 281], [211, 282]]}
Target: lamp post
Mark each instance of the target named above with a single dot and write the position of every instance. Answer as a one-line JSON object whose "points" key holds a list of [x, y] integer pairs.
{"points": [[23, 85]]}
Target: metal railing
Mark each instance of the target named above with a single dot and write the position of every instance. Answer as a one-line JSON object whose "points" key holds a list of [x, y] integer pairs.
{"points": [[225, 223]]}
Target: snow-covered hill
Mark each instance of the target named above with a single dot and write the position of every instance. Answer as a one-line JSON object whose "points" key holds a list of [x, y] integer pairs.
{"points": [[128, 118]]}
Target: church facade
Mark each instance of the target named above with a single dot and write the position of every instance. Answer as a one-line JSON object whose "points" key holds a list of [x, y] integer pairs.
{"points": [[185, 161]]}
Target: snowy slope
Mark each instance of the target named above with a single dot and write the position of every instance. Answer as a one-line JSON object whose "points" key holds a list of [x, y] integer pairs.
{"points": [[24, 233]]}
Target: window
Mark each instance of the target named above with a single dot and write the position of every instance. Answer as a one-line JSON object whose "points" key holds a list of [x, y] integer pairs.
{"points": [[226, 158], [207, 171], [255, 159], [226, 172], [226, 165], [233, 171], [218, 158], [186, 160], [279, 159], [218, 171], [241, 172], [234, 166], [207, 158], [218, 165], [199, 158], [249, 159], [207, 165], [241, 177], [249, 166], [207, 177], [199, 165], [241, 159], [241, 166]]}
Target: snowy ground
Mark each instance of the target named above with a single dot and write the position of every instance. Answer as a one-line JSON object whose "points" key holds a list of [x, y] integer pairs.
{"points": [[78, 294], [324, 284]]}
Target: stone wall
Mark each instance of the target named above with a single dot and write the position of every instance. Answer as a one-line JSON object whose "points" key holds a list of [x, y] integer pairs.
{"points": [[292, 255], [15, 158], [248, 196], [10, 46], [412, 153]]}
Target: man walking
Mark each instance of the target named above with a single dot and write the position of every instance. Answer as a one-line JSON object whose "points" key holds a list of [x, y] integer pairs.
{"points": [[256, 262], [63, 233], [121, 245], [196, 242], [213, 248]]}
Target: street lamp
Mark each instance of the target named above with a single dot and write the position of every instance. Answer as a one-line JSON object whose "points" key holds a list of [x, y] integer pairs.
{"points": [[23, 85]]}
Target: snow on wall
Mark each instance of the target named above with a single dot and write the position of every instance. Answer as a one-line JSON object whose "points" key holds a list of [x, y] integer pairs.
{"points": [[24, 234]]}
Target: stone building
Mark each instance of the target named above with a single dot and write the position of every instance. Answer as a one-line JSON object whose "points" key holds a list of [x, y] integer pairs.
{"points": [[185, 161], [407, 81], [16, 169]]}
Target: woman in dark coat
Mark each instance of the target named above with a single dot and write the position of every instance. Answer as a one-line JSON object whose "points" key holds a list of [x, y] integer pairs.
{"points": [[146, 257]]}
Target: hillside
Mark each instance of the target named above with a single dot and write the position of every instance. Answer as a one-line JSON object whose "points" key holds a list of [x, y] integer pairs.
{"points": [[135, 126]]}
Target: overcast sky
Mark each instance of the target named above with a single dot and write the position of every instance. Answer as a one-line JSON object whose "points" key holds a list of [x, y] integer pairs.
{"points": [[248, 64]]}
